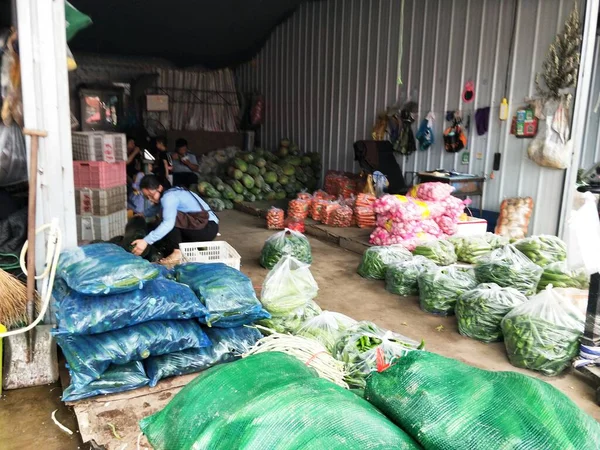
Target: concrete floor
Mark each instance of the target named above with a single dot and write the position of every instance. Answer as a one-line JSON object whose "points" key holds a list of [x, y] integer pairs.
{"points": [[25, 414]]}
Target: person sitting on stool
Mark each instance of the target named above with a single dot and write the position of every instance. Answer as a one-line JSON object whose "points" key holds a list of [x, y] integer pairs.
{"points": [[185, 165], [185, 217]]}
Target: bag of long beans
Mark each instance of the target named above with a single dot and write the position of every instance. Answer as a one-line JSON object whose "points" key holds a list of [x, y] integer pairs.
{"points": [[403, 278], [440, 288]]}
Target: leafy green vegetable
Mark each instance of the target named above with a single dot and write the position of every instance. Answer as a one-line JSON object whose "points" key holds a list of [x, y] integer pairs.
{"points": [[326, 328], [375, 260], [440, 287], [358, 347], [508, 267], [470, 249], [495, 240], [292, 321], [286, 242], [559, 276], [543, 333], [543, 249], [480, 311], [403, 278], [440, 252]]}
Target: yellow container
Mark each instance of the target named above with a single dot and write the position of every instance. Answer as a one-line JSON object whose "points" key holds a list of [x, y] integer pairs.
{"points": [[2, 330]]}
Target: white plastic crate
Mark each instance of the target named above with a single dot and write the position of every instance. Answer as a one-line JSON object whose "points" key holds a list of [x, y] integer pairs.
{"points": [[100, 202], [211, 252], [99, 146], [91, 228]]}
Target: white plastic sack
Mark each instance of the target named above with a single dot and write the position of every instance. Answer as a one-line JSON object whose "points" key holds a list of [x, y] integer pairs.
{"points": [[583, 237], [288, 287], [549, 150], [326, 328]]}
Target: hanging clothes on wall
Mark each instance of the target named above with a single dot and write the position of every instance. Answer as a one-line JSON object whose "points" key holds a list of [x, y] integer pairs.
{"points": [[405, 144], [425, 132]]}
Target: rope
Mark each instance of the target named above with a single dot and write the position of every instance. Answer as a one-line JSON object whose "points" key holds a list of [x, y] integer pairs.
{"points": [[588, 355], [399, 79], [9, 266]]}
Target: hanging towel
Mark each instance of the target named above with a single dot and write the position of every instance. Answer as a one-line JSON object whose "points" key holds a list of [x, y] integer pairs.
{"points": [[482, 120]]}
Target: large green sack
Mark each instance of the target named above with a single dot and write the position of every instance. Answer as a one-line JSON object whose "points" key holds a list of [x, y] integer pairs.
{"points": [[445, 404], [269, 401]]}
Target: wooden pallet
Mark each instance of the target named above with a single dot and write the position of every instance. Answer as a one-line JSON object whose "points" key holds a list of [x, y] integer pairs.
{"points": [[97, 416]]}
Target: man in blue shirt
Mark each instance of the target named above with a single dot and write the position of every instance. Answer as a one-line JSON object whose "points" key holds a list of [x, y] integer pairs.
{"points": [[185, 165], [185, 217]]}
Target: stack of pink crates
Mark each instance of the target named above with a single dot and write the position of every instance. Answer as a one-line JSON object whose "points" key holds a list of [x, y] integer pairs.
{"points": [[99, 168]]}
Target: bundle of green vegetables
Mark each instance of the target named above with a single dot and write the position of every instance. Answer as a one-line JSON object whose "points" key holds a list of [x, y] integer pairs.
{"points": [[543, 249], [293, 320], [480, 311], [559, 275], [326, 328], [360, 345], [495, 240], [440, 252], [286, 242], [543, 333], [376, 260], [470, 249], [508, 267], [440, 288], [403, 278]]}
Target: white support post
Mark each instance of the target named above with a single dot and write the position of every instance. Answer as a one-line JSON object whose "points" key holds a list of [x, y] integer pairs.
{"points": [[45, 85], [584, 83]]}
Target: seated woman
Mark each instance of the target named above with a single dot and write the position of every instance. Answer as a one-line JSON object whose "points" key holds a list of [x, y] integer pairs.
{"points": [[185, 217]]}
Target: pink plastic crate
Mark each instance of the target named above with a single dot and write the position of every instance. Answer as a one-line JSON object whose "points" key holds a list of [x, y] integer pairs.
{"points": [[98, 174]]}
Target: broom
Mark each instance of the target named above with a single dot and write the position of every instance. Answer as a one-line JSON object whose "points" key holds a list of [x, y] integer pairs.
{"points": [[13, 301]]}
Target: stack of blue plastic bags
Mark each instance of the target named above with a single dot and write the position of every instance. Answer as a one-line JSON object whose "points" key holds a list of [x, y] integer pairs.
{"points": [[124, 323]]}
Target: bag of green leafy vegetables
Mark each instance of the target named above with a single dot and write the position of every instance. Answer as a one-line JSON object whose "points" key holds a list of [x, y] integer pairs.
{"points": [[543, 333], [472, 248], [290, 322], [559, 275], [508, 267], [403, 278], [286, 242], [440, 287], [360, 345], [543, 249], [376, 259], [495, 240], [440, 252], [326, 328], [480, 311]]}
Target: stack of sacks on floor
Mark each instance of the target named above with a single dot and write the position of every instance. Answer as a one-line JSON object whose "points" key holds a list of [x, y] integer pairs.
{"points": [[115, 310], [429, 212]]}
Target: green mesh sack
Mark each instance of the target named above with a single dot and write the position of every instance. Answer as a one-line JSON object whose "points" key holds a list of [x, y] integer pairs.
{"points": [[445, 404], [269, 401]]}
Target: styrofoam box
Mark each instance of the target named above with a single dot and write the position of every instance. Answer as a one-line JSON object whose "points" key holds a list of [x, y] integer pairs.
{"points": [[91, 228], [471, 227], [211, 252], [99, 174], [99, 146], [100, 202]]}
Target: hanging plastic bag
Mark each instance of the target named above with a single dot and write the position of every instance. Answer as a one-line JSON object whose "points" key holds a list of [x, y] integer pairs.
{"points": [[326, 328], [116, 379], [360, 344], [288, 286], [227, 344], [548, 149], [381, 183], [513, 221], [508, 267], [454, 139], [91, 355], [376, 259], [480, 311], [583, 237], [159, 299], [101, 269], [75, 21], [227, 293], [543, 333], [286, 242], [425, 132], [13, 155], [440, 288]]}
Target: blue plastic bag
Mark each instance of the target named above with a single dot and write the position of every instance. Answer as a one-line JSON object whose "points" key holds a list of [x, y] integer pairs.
{"points": [[116, 379], [101, 269], [228, 344], [160, 299], [227, 293], [163, 271], [92, 354]]}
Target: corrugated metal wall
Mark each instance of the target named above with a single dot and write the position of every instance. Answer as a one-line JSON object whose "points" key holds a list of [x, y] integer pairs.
{"points": [[332, 67], [590, 153]]}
